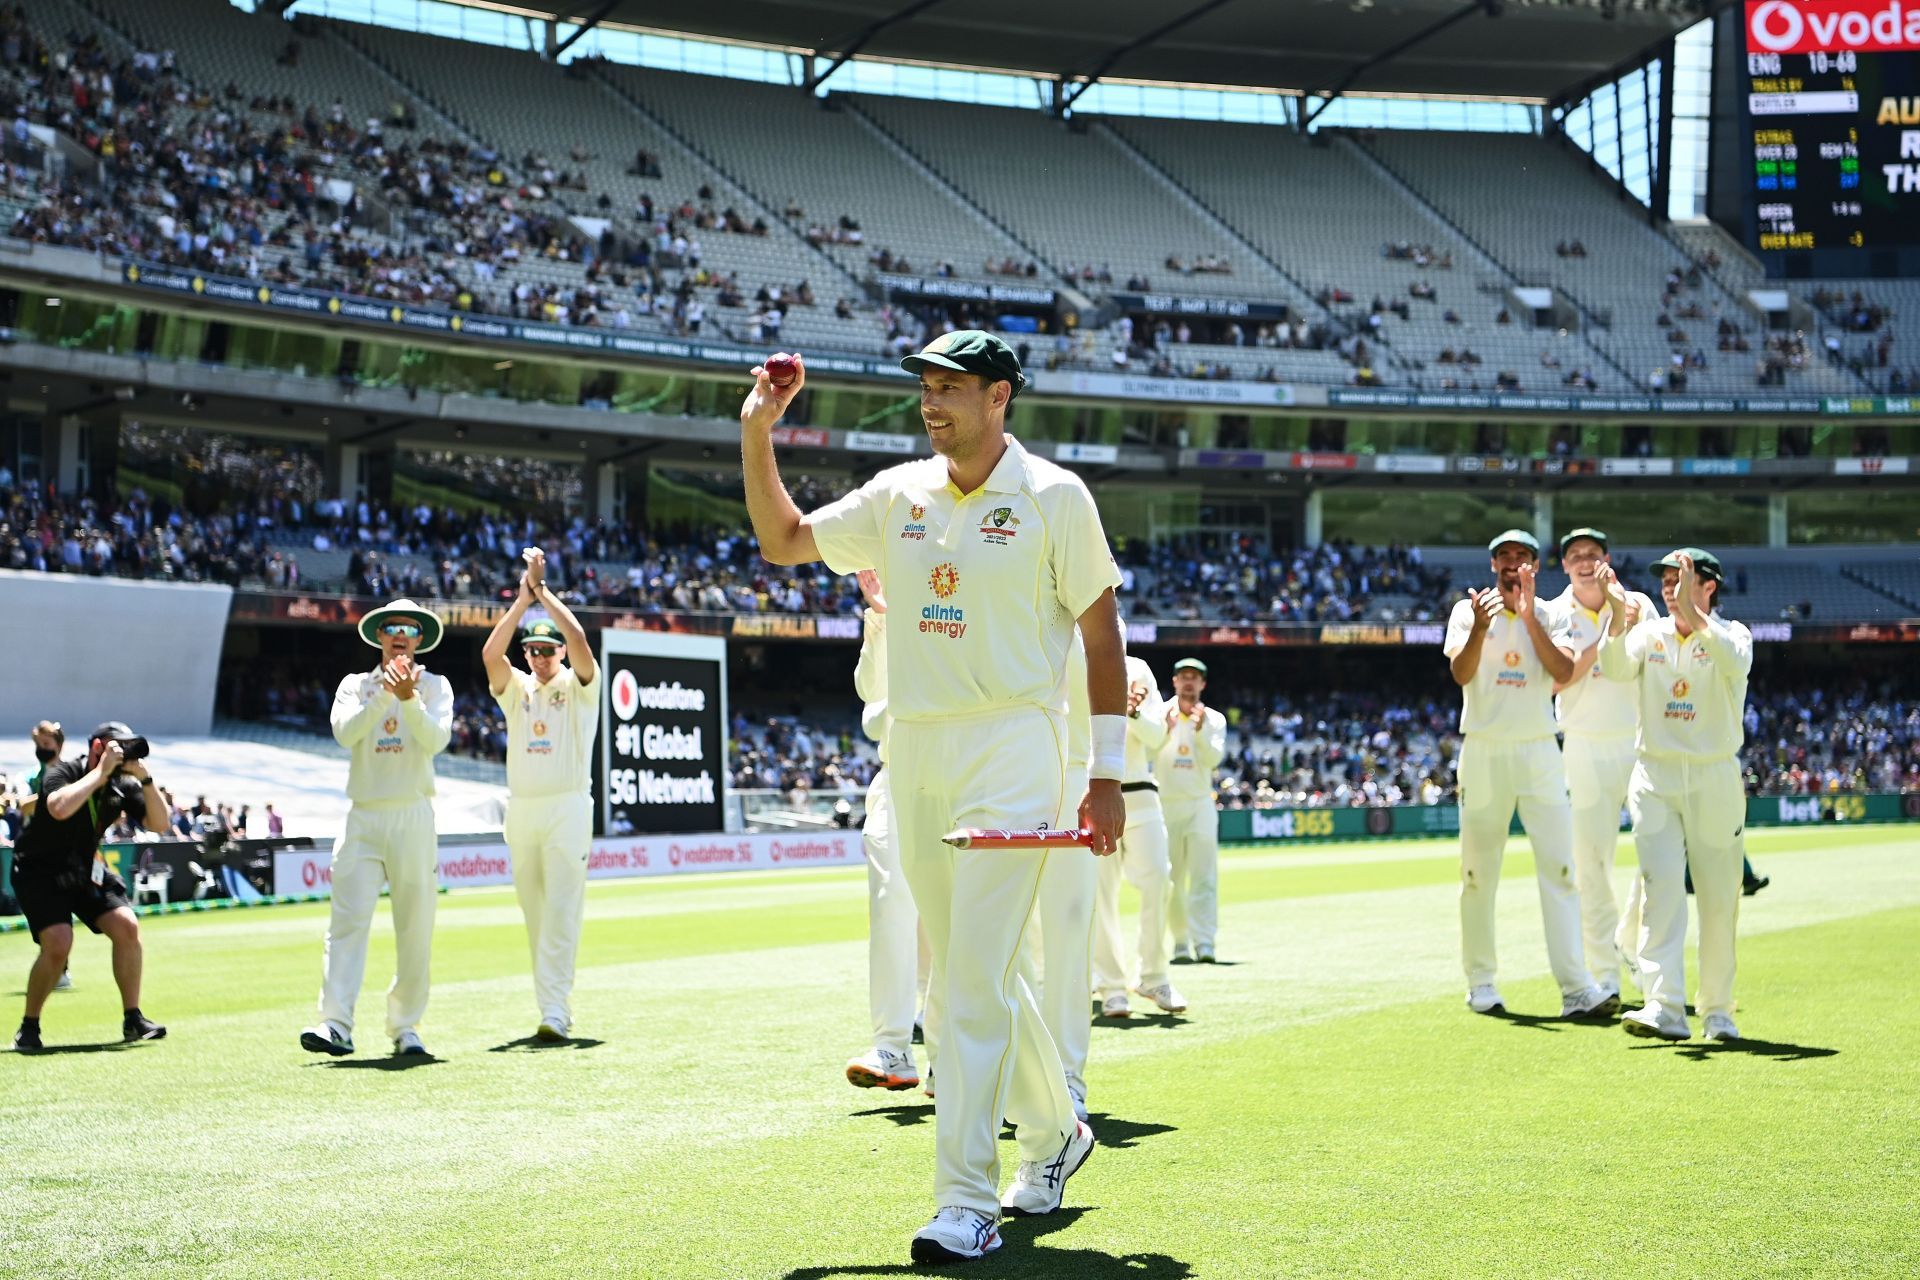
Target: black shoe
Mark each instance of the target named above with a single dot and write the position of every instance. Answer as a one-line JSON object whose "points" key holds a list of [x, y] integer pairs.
{"points": [[1755, 885], [919, 1034], [27, 1039], [328, 1039], [141, 1027]]}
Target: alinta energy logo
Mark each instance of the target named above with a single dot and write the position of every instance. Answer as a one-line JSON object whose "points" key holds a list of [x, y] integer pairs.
{"points": [[1681, 688], [1512, 676], [943, 619]]}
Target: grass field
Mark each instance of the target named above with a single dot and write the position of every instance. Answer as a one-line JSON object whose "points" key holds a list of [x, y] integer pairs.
{"points": [[1327, 1107]]}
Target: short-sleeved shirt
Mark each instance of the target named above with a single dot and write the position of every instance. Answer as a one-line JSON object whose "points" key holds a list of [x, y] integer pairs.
{"points": [[1510, 698], [983, 589], [1594, 706], [549, 733], [50, 845]]}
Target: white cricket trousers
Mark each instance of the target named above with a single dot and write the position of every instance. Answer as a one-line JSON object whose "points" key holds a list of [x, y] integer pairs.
{"points": [[892, 927], [1142, 862], [1003, 768], [1193, 855], [549, 839], [1598, 770], [1688, 812], [1494, 777], [395, 846], [1056, 959]]}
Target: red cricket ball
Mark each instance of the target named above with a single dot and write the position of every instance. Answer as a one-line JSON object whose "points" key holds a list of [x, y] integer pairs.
{"points": [[782, 370]]}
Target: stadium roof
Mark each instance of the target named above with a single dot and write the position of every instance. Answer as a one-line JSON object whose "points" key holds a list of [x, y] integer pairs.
{"points": [[1493, 48]]}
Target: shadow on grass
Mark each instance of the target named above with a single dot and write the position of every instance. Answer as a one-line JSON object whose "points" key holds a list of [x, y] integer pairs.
{"points": [[1757, 1048], [534, 1044], [1018, 1255], [104, 1046], [904, 1114], [1211, 964], [398, 1062], [1535, 1021], [1113, 1132], [1162, 1020]]}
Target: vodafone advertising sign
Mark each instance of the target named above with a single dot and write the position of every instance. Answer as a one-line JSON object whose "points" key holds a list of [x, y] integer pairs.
{"points": [[1832, 26], [309, 872]]}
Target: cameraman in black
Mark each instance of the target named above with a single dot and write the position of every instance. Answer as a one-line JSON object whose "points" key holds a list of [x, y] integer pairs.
{"points": [[59, 873]]}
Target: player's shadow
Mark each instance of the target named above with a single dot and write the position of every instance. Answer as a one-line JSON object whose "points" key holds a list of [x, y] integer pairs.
{"points": [[1019, 1256], [398, 1062], [1534, 1021], [534, 1044], [1112, 1131], [1758, 1048], [104, 1046], [904, 1114], [1208, 964], [1161, 1020]]}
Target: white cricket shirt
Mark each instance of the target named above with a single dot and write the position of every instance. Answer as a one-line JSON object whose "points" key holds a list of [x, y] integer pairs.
{"points": [[393, 741], [1594, 706], [1510, 698], [549, 733], [870, 680], [1692, 692], [1147, 728], [1184, 768], [983, 589]]}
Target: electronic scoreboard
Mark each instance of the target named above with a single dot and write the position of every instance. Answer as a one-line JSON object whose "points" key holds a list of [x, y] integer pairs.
{"points": [[1832, 114]]}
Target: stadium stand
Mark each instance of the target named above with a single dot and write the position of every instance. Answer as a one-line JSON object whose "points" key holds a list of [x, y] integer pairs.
{"points": [[1540, 210]]}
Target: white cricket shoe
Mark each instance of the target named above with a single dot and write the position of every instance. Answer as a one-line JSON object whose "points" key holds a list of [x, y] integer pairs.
{"points": [[1594, 1002], [883, 1069], [1720, 1027], [407, 1045], [1116, 1006], [1610, 984], [65, 983], [1078, 1092], [1656, 1024], [956, 1235], [1169, 1000], [1485, 998], [1182, 952], [1038, 1185], [551, 1030], [1203, 954]]}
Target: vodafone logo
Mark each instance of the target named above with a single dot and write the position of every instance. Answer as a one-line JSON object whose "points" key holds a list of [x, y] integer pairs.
{"points": [[1775, 26], [626, 695], [1832, 26]]}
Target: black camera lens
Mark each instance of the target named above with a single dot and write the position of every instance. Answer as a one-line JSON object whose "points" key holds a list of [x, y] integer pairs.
{"points": [[134, 748]]}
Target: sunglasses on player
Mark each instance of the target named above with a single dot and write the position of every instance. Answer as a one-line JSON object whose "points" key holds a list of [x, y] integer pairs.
{"points": [[400, 629], [540, 651]]}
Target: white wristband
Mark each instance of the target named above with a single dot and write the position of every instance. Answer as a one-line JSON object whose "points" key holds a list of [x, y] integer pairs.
{"points": [[1109, 747]]}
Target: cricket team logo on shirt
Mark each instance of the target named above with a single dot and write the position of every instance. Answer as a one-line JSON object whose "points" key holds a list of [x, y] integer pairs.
{"points": [[999, 525], [915, 530], [943, 619], [388, 743], [538, 742], [1511, 676]]}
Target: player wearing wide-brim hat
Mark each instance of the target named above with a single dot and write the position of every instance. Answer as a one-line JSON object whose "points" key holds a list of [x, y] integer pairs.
{"points": [[394, 719], [404, 611], [1598, 718], [1506, 651], [1688, 802], [551, 709]]}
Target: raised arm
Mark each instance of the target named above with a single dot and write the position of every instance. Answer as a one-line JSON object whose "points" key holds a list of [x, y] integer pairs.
{"points": [[493, 654], [428, 714], [778, 523], [1467, 632], [579, 652], [1557, 661]]}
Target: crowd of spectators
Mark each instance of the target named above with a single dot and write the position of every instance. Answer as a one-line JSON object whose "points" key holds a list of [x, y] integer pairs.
{"points": [[1815, 740], [1245, 580]]}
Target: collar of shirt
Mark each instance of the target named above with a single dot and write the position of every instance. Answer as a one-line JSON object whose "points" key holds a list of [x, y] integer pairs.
{"points": [[1009, 474]]}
